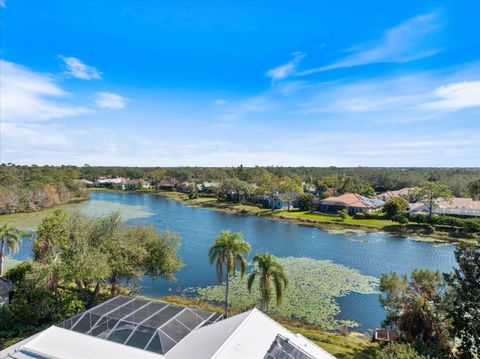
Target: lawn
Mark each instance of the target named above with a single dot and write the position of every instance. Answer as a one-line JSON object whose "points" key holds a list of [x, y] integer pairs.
{"points": [[374, 223]]}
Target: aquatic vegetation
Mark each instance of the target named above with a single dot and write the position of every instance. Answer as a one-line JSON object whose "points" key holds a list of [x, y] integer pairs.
{"points": [[310, 296], [29, 221]]}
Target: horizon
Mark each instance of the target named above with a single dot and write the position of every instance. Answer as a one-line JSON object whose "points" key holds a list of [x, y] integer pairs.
{"points": [[211, 84]]}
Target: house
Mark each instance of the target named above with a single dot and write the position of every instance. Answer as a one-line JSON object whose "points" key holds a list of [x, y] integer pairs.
{"points": [[352, 202], [84, 182], [183, 187], [6, 289], [385, 335], [108, 182], [209, 187], [126, 327], [405, 193], [457, 206], [136, 184], [276, 201], [166, 185]]}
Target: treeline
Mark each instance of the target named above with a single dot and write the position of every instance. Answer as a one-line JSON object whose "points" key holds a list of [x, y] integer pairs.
{"points": [[31, 188], [381, 179]]}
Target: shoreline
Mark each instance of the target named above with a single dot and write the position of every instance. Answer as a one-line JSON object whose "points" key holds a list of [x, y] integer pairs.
{"points": [[398, 230]]}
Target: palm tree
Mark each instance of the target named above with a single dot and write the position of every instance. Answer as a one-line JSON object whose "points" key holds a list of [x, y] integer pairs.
{"points": [[10, 237], [229, 249], [268, 270]]}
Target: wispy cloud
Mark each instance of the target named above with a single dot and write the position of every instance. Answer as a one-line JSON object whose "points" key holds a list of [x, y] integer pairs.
{"points": [[77, 69], [3, 3], [409, 41], [110, 100], [28, 96], [287, 69], [456, 96]]}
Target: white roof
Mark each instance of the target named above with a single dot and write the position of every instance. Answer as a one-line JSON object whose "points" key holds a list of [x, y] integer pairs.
{"points": [[59, 343], [247, 335]]}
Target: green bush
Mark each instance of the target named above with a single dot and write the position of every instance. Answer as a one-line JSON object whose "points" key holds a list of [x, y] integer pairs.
{"points": [[305, 202], [399, 351], [400, 218], [429, 229], [359, 215], [395, 206]]}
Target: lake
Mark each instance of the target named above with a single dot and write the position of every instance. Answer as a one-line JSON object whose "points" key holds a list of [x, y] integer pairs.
{"points": [[371, 254]]}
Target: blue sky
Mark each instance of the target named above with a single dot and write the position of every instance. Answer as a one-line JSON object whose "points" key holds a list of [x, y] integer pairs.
{"points": [[314, 83]]}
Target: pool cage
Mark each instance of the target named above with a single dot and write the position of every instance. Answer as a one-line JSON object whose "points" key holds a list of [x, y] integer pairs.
{"points": [[140, 323]]}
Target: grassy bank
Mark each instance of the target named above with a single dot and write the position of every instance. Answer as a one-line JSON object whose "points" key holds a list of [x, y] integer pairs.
{"points": [[353, 346], [323, 221]]}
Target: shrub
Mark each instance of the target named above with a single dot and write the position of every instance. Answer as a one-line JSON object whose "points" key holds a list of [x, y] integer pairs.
{"points": [[395, 206], [399, 351], [359, 215], [400, 218], [343, 214], [429, 229]]}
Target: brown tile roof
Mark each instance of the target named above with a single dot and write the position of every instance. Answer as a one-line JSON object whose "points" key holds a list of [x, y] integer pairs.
{"points": [[350, 200]]}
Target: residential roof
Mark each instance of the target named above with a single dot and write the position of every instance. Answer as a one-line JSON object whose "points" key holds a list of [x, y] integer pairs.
{"points": [[59, 343], [455, 206], [140, 323], [353, 200], [404, 192], [248, 335], [5, 286]]}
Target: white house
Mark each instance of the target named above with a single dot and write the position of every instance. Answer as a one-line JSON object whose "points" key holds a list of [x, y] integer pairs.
{"points": [[126, 327]]}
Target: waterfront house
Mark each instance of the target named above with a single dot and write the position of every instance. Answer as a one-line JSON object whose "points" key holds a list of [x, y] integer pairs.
{"points": [[166, 185], [126, 327], [352, 202], [84, 182], [109, 182], [209, 187], [276, 201], [457, 206], [6, 289]]}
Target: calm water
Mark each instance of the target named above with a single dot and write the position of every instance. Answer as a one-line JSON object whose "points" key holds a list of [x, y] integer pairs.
{"points": [[371, 254]]}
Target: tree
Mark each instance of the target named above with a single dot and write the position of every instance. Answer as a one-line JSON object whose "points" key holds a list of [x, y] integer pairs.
{"points": [[305, 202], [416, 307], [268, 270], [236, 186], [395, 206], [229, 249], [429, 193], [343, 214], [10, 239], [474, 189], [464, 308], [290, 188], [96, 253]]}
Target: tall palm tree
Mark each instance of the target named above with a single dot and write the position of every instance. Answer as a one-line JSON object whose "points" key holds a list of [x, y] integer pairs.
{"points": [[268, 270], [229, 250], [11, 238]]}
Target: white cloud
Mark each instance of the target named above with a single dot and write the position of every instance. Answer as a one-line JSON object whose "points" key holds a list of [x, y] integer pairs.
{"points": [[287, 69], [220, 102], [110, 100], [79, 70], [406, 42], [456, 96], [26, 95]]}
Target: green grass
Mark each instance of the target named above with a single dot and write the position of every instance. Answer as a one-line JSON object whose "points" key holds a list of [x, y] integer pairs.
{"points": [[353, 346], [373, 223]]}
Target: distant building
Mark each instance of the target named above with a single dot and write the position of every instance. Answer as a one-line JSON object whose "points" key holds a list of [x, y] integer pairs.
{"points": [[84, 182], [209, 187], [405, 193], [454, 207], [126, 327], [276, 201], [108, 182], [385, 335], [352, 202], [166, 185], [6, 289]]}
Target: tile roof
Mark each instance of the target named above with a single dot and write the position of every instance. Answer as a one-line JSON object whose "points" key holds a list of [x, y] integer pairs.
{"points": [[353, 200]]}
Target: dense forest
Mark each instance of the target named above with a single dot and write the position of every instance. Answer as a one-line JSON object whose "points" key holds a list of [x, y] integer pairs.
{"points": [[31, 188], [381, 179]]}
